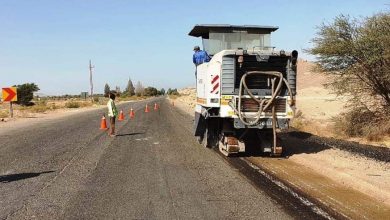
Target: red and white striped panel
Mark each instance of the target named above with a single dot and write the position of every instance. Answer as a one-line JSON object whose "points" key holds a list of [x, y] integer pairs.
{"points": [[215, 84]]}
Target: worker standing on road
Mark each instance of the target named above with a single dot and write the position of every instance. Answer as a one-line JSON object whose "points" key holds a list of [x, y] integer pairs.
{"points": [[199, 57], [112, 113]]}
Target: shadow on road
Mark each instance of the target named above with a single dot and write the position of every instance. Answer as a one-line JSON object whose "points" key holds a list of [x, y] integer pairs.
{"points": [[20, 176], [298, 142], [129, 134], [293, 142]]}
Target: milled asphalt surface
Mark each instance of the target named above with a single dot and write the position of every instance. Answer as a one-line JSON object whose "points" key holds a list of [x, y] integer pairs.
{"points": [[154, 169]]}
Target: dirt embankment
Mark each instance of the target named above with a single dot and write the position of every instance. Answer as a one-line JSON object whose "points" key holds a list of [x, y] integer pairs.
{"points": [[346, 164]]}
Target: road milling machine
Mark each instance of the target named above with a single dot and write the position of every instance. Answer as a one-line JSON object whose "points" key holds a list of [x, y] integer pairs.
{"points": [[246, 93]]}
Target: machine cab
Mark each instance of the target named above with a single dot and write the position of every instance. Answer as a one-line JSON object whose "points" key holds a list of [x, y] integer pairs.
{"points": [[216, 38]]}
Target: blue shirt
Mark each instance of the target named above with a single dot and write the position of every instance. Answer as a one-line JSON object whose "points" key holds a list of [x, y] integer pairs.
{"points": [[200, 57]]}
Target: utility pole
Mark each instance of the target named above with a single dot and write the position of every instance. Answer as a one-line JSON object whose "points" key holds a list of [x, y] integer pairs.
{"points": [[90, 78]]}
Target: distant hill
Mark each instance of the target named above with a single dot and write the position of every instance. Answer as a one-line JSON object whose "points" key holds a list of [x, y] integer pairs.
{"points": [[307, 78]]}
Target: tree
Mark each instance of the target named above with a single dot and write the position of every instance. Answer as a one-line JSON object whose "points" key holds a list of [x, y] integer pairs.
{"points": [[162, 91], [150, 91], [26, 93], [106, 90], [172, 92], [130, 90], [118, 91], [139, 89], [357, 53]]}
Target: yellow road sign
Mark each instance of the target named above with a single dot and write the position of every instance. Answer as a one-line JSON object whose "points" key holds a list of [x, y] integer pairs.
{"points": [[10, 94]]}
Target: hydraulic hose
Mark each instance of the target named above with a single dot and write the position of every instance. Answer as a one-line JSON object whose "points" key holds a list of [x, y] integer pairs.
{"points": [[264, 104]]}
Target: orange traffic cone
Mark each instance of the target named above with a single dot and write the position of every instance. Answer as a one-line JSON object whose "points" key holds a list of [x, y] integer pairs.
{"points": [[155, 107], [132, 114], [146, 108], [103, 124], [121, 116]]}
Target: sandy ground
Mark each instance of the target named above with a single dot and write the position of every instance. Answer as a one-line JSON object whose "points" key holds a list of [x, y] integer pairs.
{"points": [[313, 99], [362, 174], [318, 104]]}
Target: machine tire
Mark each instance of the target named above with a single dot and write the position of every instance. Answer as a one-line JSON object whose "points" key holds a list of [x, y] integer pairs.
{"points": [[207, 139], [210, 136]]}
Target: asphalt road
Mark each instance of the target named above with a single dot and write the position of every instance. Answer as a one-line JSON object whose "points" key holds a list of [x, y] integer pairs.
{"points": [[154, 169]]}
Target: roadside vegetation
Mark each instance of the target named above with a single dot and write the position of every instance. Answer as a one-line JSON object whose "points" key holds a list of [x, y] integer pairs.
{"points": [[356, 53], [28, 104], [173, 93]]}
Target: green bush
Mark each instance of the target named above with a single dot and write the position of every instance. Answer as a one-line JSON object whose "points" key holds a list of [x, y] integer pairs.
{"points": [[25, 93]]}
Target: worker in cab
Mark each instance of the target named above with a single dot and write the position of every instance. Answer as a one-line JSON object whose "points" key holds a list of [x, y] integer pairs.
{"points": [[112, 113], [199, 57]]}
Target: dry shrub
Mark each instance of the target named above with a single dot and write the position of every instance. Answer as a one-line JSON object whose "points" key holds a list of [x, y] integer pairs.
{"points": [[298, 122], [72, 104], [174, 96], [85, 104], [39, 108], [53, 106], [102, 101], [3, 114], [131, 98], [78, 104], [360, 122], [316, 127]]}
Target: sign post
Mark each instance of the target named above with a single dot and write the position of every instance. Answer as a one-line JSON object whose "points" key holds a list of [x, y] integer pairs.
{"points": [[10, 95], [11, 110]]}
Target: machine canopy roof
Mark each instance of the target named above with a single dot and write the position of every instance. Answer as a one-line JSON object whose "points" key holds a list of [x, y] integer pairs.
{"points": [[203, 30]]}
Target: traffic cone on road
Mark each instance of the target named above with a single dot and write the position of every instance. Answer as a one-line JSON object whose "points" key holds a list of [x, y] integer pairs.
{"points": [[103, 124], [132, 114], [121, 116], [146, 108], [155, 107]]}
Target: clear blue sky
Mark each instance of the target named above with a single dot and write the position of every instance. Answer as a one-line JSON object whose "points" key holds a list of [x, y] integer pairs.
{"points": [[50, 42]]}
